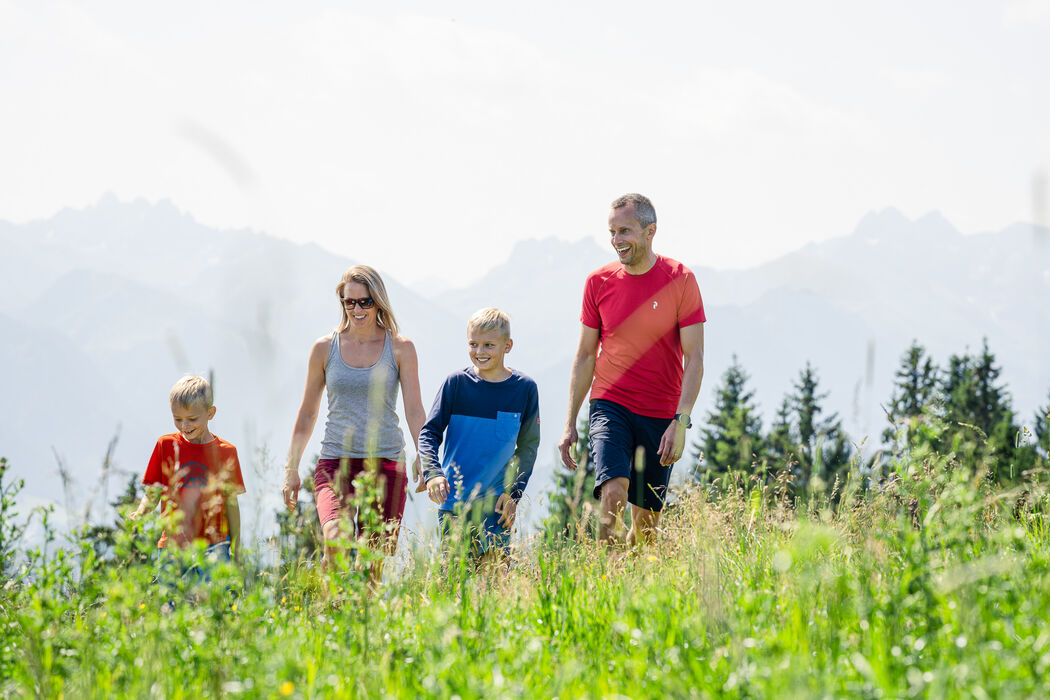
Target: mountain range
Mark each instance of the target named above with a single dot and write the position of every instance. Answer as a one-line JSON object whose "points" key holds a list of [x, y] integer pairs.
{"points": [[102, 309]]}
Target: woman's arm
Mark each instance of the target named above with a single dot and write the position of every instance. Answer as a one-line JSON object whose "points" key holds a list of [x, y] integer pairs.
{"points": [[306, 419], [408, 369]]}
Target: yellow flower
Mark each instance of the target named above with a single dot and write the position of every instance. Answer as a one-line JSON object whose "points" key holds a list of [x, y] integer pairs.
{"points": [[234, 608], [287, 688], [142, 606]]}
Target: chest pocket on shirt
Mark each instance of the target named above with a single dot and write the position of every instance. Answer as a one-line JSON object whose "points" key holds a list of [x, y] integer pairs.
{"points": [[507, 425]]}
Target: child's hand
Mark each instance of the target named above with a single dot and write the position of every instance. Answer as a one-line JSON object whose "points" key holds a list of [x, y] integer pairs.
{"points": [[135, 514], [437, 489], [507, 507]]}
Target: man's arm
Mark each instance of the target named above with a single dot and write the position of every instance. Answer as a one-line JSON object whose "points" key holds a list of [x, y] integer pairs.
{"points": [[579, 384], [672, 444]]}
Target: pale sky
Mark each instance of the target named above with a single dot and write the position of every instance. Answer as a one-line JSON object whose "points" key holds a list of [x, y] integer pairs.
{"points": [[426, 141]]}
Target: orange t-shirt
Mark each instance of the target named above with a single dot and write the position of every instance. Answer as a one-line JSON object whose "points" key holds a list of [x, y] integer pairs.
{"points": [[196, 480]]}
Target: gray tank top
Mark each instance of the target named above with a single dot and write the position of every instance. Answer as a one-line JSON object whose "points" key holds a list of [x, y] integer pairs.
{"points": [[362, 407]]}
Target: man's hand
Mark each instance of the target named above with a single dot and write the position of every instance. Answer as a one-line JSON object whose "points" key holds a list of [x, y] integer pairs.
{"points": [[291, 488], [437, 489], [507, 507], [672, 444], [567, 446]]}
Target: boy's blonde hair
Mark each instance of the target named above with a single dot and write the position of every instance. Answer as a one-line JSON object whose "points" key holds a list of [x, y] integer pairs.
{"points": [[490, 319], [363, 274], [191, 390]]}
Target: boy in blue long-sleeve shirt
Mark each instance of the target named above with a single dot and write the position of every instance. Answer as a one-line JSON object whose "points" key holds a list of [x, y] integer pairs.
{"points": [[488, 417]]}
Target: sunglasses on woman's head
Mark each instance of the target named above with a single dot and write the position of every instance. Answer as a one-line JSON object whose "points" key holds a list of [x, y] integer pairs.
{"points": [[363, 302]]}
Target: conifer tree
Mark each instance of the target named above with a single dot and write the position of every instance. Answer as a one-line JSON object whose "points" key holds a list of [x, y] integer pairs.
{"points": [[916, 382], [103, 537], [1041, 423], [732, 434], [572, 489], [820, 446], [984, 433]]}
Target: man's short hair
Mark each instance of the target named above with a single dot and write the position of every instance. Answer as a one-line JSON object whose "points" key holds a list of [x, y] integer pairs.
{"points": [[490, 319], [191, 390], [644, 211]]}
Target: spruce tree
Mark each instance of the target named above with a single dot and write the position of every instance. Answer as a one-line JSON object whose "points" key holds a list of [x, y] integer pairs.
{"points": [[781, 451], [1041, 423], [571, 490], [984, 432], [916, 382], [821, 446], [732, 435]]}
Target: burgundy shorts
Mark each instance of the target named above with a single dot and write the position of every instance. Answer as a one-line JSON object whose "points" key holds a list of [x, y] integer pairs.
{"points": [[335, 481]]}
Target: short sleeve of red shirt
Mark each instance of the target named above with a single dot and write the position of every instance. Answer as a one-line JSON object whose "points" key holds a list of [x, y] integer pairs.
{"points": [[163, 454], [691, 306], [589, 316]]}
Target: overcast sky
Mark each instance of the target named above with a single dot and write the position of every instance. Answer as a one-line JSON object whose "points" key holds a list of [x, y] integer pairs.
{"points": [[426, 142]]}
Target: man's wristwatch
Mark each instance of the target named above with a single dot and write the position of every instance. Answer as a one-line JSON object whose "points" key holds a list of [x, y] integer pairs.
{"points": [[683, 418]]}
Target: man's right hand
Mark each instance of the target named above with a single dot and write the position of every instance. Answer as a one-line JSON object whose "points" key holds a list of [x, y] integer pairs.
{"points": [[568, 443], [291, 488]]}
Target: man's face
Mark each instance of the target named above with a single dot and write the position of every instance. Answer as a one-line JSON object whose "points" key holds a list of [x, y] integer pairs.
{"points": [[631, 242]]}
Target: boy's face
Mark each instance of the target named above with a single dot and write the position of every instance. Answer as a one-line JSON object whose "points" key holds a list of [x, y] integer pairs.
{"points": [[487, 349], [192, 421]]}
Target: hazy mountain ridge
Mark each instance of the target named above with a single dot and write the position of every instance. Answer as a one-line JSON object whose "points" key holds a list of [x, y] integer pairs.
{"points": [[102, 309]]}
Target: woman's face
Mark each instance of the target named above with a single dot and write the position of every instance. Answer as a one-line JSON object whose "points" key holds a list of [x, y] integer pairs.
{"points": [[354, 292]]}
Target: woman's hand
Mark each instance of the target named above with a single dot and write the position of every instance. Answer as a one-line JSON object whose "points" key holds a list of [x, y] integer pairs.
{"points": [[291, 488]]}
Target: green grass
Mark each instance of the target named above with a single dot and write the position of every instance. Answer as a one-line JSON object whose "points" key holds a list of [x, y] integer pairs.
{"points": [[934, 585]]}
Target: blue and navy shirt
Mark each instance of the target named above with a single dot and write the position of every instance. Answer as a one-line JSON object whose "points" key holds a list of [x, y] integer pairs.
{"points": [[491, 433]]}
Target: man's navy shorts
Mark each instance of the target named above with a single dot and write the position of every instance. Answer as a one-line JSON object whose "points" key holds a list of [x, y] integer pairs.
{"points": [[623, 443]]}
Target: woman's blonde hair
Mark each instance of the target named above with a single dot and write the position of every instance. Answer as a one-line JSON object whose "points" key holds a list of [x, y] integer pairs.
{"points": [[363, 274]]}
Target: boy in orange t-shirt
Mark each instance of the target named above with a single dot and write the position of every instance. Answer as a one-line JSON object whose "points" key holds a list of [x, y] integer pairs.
{"points": [[199, 474]]}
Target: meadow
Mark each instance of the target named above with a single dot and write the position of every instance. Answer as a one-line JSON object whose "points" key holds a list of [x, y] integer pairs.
{"points": [[930, 582]]}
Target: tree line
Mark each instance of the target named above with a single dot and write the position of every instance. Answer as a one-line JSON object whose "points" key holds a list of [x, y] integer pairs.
{"points": [[962, 408]]}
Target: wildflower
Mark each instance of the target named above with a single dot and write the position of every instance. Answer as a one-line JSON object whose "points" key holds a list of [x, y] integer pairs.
{"points": [[234, 607], [287, 688]]}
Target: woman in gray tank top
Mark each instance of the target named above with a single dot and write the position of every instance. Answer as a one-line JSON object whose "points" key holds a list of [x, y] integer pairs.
{"points": [[361, 364]]}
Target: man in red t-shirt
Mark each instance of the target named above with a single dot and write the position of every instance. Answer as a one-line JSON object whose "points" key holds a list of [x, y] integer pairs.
{"points": [[645, 314]]}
